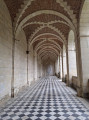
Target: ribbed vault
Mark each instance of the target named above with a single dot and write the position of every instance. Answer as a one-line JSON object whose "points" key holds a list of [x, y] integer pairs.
{"points": [[46, 23]]}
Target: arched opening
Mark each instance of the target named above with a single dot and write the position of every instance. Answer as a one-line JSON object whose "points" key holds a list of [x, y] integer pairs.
{"points": [[84, 43], [72, 58], [64, 63], [57, 67]]}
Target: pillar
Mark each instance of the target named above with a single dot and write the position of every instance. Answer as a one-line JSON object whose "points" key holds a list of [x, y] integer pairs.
{"points": [[79, 69], [67, 63], [27, 52], [35, 66], [63, 79], [60, 66], [13, 56]]}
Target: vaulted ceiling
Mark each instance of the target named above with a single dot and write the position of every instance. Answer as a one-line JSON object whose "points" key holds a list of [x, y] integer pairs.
{"points": [[46, 23]]}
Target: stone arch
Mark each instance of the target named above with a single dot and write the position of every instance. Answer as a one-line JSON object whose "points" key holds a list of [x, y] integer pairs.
{"points": [[45, 12], [44, 49], [35, 39], [62, 38], [53, 56], [52, 42], [49, 23], [62, 3], [47, 45]]}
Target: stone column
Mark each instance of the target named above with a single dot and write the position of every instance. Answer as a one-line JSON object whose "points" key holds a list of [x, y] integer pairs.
{"points": [[35, 66], [27, 52], [58, 67], [64, 61], [67, 63], [82, 43], [62, 68], [60, 64], [38, 68], [13, 57], [79, 67]]}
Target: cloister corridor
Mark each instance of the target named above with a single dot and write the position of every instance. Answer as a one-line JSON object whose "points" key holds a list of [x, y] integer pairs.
{"points": [[44, 59], [48, 99]]}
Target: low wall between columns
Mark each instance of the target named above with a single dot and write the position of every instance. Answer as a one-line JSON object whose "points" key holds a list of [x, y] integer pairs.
{"points": [[65, 78], [85, 89], [74, 82]]}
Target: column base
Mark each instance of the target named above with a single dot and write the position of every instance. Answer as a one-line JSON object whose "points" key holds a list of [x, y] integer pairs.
{"points": [[85, 95], [67, 83], [79, 92], [63, 79], [28, 83], [12, 92]]}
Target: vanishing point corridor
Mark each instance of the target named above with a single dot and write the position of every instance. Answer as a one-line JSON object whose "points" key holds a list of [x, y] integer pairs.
{"points": [[44, 59], [48, 99]]}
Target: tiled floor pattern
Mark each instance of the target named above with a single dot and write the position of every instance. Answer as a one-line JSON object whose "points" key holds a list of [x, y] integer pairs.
{"points": [[49, 99]]}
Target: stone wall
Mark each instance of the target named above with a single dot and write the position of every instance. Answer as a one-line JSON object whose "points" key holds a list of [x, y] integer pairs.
{"points": [[5, 51], [20, 66], [20, 57], [84, 41]]}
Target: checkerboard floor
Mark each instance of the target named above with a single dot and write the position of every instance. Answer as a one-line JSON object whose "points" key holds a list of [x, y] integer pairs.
{"points": [[48, 99]]}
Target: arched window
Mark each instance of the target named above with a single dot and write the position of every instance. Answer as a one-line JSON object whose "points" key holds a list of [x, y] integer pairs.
{"points": [[72, 56]]}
